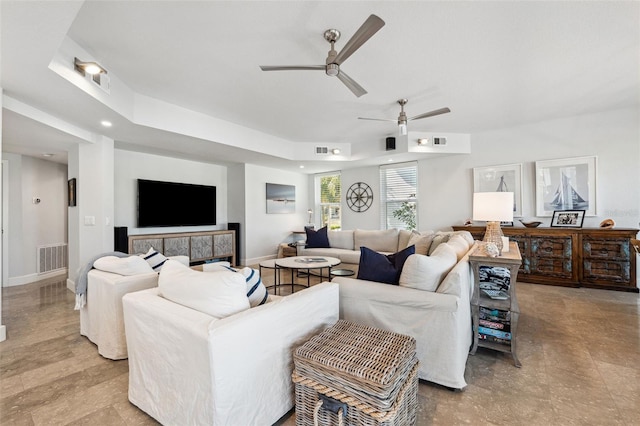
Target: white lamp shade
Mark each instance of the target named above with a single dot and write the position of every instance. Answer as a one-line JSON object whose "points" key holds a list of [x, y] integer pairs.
{"points": [[493, 206]]}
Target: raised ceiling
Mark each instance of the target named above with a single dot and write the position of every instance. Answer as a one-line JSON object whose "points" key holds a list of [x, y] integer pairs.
{"points": [[495, 64]]}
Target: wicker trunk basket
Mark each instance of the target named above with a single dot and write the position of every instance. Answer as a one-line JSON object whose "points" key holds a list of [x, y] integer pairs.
{"points": [[353, 374]]}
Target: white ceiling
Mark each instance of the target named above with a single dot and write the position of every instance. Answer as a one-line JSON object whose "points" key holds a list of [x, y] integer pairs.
{"points": [[495, 64]]}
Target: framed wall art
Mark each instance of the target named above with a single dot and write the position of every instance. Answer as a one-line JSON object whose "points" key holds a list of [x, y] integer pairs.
{"points": [[506, 178], [566, 184], [72, 192], [568, 218], [281, 198]]}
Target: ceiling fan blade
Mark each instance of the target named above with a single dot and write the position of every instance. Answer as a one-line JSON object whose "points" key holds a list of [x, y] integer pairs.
{"points": [[292, 67], [364, 33], [431, 113], [378, 119], [351, 84]]}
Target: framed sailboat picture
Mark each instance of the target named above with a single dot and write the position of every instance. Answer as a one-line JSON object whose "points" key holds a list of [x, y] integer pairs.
{"points": [[506, 178], [566, 184]]}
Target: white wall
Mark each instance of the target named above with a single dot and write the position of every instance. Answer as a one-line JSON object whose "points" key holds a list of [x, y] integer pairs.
{"points": [[91, 221], [31, 225], [130, 166], [369, 219], [266, 231], [445, 185]]}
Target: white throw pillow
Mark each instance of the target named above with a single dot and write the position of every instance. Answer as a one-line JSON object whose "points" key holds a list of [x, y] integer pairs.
{"points": [[132, 265], [426, 272], [219, 295], [216, 266], [154, 258], [256, 291]]}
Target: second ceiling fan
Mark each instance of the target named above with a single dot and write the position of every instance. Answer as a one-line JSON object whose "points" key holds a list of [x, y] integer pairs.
{"points": [[335, 59], [402, 118]]}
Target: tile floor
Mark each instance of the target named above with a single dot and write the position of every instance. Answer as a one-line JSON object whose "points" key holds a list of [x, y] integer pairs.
{"points": [[579, 348]]}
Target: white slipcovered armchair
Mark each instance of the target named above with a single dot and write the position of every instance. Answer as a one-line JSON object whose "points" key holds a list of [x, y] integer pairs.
{"points": [[101, 319], [189, 368]]}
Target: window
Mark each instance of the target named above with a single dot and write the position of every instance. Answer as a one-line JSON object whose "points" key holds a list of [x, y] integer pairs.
{"points": [[328, 195], [398, 190]]}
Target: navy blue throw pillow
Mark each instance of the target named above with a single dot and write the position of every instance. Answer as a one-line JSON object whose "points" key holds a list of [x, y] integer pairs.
{"points": [[382, 268], [317, 239]]}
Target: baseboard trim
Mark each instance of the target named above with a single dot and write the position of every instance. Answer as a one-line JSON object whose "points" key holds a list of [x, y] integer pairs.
{"points": [[3, 333], [32, 278], [71, 285], [256, 260]]}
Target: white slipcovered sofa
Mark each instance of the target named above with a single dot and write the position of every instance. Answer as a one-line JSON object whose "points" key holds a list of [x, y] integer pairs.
{"points": [[345, 245], [190, 368], [439, 319]]}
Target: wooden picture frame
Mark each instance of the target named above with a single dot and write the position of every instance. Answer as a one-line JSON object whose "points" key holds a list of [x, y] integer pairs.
{"points": [[72, 192], [568, 218], [566, 184], [505, 178]]}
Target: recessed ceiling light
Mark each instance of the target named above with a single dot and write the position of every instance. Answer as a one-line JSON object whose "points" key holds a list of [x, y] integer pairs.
{"points": [[47, 154], [106, 123], [390, 160], [335, 151], [301, 166]]}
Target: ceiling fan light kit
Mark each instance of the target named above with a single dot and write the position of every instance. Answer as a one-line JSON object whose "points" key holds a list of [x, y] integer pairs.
{"points": [[334, 59], [402, 117]]}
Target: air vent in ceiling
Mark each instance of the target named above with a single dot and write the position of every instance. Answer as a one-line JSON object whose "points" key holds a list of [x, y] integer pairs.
{"points": [[322, 150]]}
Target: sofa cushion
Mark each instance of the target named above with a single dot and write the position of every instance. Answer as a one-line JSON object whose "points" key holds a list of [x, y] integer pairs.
{"points": [[386, 240], [403, 238], [341, 239], [217, 294], [132, 265], [426, 272], [438, 239], [459, 245], [382, 268], [317, 239], [154, 258], [422, 241]]}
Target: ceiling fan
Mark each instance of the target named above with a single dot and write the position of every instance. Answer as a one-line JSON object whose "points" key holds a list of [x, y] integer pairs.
{"points": [[402, 118], [335, 59]]}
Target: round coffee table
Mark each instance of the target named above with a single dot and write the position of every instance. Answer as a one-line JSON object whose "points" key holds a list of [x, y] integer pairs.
{"points": [[342, 273], [271, 264], [307, 263]]}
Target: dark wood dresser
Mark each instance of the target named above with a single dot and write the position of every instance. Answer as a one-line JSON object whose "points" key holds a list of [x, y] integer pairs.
{"points": [[587, 257]]}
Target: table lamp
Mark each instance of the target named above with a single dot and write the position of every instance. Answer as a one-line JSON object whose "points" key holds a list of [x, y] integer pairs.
{"points": [[493, 207]]}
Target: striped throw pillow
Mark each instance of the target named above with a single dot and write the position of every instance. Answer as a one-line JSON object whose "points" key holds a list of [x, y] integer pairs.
{"points": [[154, 259], [256, 291]]}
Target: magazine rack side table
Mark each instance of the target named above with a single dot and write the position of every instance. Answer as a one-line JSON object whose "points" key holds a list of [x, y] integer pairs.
{"points": [[494, 305]]}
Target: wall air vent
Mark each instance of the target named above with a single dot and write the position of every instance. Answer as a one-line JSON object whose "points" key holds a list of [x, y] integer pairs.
{"points": [[439, 141], [322, 150]]}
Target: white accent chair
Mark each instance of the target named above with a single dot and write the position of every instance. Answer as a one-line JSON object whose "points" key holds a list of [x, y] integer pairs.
{"points": [[189, 368], [101, 318]]}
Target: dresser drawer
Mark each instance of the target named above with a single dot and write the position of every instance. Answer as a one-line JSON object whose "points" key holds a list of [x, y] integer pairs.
{"points": [[551, 247], [613, 249], [603, 271], [550, 267]]}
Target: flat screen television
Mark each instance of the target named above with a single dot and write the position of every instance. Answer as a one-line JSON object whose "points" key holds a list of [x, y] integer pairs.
{"points": [[175, 204]]}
